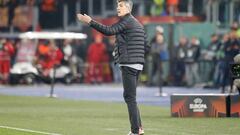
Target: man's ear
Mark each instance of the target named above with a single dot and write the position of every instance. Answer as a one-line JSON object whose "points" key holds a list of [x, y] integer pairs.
{"points": [[128, 7]]}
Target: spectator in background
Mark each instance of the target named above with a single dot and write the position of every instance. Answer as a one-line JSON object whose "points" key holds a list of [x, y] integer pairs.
{"points": [[52, 58], [220, 55], [43, 47], [68, 58], [67, 51], [234, 27], [15, 48], [210, 56], [42, 50], [23, 16], [164, 63], [95, 55], [26, 51], [107, 76], [212, 48], [6, 52], [157, 8], [80, 51], [4, 17], [55, 54], [172, 6], [232, 47], [50, 14], [115, 68], [150, 60], [191, 62], [158, 54], [180, 55]]}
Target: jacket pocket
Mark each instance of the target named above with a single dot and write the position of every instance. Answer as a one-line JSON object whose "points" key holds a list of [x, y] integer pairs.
{"points": [[122, 49]]}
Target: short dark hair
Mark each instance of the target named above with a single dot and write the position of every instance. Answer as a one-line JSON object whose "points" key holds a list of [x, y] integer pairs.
{"points": [[129, 2]]}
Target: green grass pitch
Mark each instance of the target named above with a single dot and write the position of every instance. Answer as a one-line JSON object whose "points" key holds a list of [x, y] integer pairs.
{"points": [[69, 117]]}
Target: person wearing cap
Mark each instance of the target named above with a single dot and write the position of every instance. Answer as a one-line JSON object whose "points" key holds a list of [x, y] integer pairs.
{"points": [[129, 53], [156, 57], [159, 30], [191, 62]]}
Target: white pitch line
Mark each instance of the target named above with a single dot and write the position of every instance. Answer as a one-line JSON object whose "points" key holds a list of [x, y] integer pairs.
{"points": [[29, 130]]}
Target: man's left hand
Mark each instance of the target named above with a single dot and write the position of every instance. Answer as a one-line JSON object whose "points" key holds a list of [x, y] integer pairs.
{"points": [[84, 18]]}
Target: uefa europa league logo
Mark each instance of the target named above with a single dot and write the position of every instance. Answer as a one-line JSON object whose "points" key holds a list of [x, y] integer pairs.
{"points": [[198, 105]]}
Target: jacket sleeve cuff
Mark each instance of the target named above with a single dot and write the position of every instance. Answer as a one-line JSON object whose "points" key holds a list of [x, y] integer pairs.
{"points": [[92, 22]]}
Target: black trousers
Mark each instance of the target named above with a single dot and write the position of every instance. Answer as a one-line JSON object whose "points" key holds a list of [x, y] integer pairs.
{"points": [[130, 79]]}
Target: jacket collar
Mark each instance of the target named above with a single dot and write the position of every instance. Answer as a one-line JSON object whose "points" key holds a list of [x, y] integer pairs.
{"points": [[126, 16]]}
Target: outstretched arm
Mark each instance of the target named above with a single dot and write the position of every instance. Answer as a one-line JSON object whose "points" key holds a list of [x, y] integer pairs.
{"points": [[107, 30]]}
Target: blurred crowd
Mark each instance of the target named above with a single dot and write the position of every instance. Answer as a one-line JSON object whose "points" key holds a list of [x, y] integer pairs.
{"points": [[88, 63], [21, 15], [192, 64]]}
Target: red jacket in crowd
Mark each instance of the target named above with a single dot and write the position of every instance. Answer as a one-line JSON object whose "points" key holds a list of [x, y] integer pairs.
{"points": [[54, 57], [96, 53], [6, 53]]}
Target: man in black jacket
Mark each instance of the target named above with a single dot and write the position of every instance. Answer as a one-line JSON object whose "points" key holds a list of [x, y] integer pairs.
{"points": [[129, 52]]}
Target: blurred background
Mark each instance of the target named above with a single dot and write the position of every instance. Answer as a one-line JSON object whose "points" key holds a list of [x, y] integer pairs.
{"points": [[193, 42]]}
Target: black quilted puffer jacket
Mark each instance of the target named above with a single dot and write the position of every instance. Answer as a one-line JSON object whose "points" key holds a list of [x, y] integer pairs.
{"points": [[131, 43]]}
